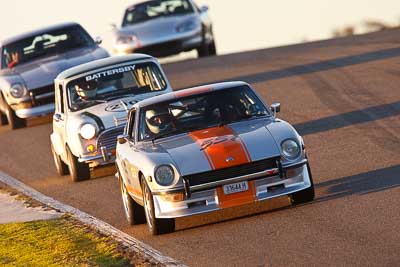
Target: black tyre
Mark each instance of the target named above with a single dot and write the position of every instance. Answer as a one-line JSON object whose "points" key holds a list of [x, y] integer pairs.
{"points": [[156, 226], [212, 49], [134, 213], [3, 119], [14, 121], [305, 195], [79, 171], [61, 167], [207, 48]]}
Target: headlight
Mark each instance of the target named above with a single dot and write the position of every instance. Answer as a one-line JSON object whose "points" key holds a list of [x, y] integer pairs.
{"points": [[164, 175], [88, 131], [290, 149], [126, 39], [189, 25], [17, 90]]}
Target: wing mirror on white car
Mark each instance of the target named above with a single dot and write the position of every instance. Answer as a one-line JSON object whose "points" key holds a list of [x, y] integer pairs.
{"points": [[275, 107]]}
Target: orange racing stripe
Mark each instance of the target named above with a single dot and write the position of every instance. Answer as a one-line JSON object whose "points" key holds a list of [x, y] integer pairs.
{"points": [[223, 148]]}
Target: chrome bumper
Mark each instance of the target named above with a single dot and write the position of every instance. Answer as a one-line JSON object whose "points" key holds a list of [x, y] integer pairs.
{"points": [[204, 198], [189, 40], [35, 111], [101, 157]]}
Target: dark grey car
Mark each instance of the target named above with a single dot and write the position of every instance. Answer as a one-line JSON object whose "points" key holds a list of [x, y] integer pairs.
{"points": [[29, 64]]}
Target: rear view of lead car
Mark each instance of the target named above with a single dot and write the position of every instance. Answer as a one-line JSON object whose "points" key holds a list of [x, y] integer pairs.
{"points": [[204, 149]]}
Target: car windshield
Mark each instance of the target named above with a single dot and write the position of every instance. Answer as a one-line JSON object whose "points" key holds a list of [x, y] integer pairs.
{"points": [[113, 83], [211, 109], [156, 8], [45, 44]]}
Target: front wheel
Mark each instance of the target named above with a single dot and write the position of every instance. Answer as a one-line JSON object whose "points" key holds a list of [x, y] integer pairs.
{"points": [[13, 120], [61, 167], [3, 119], [79, 171], [134, 213], [305, 195], [156, 226]]}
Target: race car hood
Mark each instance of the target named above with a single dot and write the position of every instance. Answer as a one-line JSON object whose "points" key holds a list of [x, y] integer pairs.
{"points": [[156, 30], [220, 147], [106, 114], [43, 71]]}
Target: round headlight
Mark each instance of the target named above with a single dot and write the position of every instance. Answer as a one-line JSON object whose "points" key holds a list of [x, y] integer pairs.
{"points": [[290, 149], [164, 175], [88, 131], [17, 90]]}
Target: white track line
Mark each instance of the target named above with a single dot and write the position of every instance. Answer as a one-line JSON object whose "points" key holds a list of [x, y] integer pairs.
{"points": [[126, 240]]}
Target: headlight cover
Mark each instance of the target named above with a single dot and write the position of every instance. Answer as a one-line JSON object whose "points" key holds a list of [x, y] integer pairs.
{"points": [[290, 149], [164, 175], [17, 90], [88, 131]]}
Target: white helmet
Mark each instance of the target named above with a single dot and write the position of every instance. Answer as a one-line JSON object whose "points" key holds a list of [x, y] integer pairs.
{"points": [[158, 120]]}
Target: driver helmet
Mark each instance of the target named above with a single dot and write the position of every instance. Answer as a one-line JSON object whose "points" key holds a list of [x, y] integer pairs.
{"points": [[158, 120], [86, 89]]}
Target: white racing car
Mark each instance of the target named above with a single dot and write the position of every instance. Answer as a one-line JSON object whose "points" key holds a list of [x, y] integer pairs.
{"points": [[92, 101]]}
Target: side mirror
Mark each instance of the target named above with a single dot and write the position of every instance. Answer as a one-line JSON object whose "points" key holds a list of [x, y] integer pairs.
{"points": [[57, 117], [203, 9], [98, 40], [276, 107], [113, 27], [122, 139]]}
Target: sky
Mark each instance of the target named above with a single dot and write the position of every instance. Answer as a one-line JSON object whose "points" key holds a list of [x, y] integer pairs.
{"points": [[238, 25]]}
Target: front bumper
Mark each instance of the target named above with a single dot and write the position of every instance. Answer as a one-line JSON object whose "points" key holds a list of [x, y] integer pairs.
{"points": [[25, 113], [102, 157], [167, 46], [39, 102], [203, 200]]}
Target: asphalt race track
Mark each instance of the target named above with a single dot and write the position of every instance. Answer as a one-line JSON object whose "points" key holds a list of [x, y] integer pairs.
{"points": [[342, 95]]}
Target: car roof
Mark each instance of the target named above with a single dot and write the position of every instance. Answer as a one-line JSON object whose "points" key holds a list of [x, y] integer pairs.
{"points": [[37, 32], [188, 92], [100, 63]]}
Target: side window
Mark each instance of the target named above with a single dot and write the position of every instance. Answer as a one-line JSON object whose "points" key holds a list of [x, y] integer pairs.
{"points": [[131, 124]]}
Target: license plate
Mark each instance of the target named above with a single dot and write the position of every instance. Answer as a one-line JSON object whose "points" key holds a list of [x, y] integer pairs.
{"points": [[236, 187]]}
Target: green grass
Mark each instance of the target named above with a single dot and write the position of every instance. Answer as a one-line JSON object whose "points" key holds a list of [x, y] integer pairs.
{"points": [[59, 242]]}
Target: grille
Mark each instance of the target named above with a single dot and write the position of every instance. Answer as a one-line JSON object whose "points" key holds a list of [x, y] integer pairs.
{"points": [[161, 50], [108, 138], [231, 172], [42, 95]]}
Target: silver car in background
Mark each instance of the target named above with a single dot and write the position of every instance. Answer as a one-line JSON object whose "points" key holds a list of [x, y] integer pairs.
{"points": [[30, 62], [165, 27]]}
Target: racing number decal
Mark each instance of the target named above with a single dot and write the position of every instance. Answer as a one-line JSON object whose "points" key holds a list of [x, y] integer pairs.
{"points": [[119, 107]]}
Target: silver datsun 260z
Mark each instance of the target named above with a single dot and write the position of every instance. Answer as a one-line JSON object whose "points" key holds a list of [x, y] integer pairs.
{"points": [[204, 149], [165, 27], [29, 64], [92, 102]]}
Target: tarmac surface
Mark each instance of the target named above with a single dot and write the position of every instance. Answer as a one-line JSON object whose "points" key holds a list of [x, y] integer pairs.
{"points": [[342, 95]]}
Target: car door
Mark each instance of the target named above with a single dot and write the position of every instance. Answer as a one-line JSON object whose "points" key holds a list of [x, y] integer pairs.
{"points": [[126, 158], [59, 121]]}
